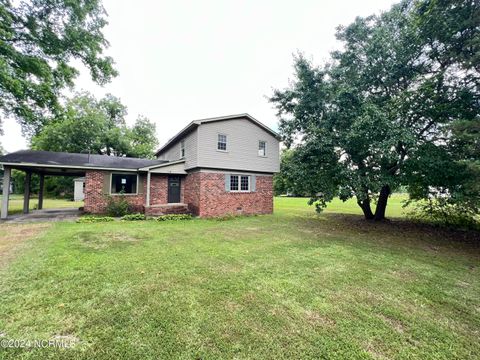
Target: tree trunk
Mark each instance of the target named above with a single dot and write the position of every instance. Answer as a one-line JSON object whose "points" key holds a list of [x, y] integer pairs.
{"points": [[382, 203], [367, 210]]}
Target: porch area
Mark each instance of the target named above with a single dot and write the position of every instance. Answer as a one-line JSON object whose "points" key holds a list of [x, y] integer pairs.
{"points": [[166, 209]]}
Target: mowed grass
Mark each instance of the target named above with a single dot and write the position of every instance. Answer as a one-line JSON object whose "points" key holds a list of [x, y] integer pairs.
{"points": [[395, 208], [290, 285], [15, 204]]}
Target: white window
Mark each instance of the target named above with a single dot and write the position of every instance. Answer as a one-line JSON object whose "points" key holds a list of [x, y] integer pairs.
{"points": [[233, 183], [123, 184], [244, 183], [262, 148], [222, 142], [240, 183], [182, 149]]}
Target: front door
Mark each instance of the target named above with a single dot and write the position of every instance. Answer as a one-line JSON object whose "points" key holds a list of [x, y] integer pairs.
{"points": [[174, 189]]}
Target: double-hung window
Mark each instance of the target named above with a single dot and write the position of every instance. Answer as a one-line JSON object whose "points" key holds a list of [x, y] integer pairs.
{"points": [[240, 183], [222, 142], [182, 149], [123, 184], [262, 148]]}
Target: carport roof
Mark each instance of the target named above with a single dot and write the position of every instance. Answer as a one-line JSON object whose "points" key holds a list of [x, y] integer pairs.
{"points": [[49, 159]]}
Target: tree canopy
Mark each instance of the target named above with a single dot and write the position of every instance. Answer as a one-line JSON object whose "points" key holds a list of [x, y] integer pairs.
{"points": [[98, 127], [38, 41], [397, 106]]}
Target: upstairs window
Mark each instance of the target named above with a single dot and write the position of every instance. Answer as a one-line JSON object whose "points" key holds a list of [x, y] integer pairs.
{"points": [[182, 149], [124, 184], [262, 148], [222, 142]]}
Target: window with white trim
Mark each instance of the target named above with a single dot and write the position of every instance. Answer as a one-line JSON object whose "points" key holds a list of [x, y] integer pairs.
{"points": [[182, 149], [123, 184], [222, 142], [240, 183], [262, 148]]}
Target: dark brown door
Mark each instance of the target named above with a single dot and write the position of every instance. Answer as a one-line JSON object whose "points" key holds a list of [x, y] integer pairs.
{"points": [[174, 189]]}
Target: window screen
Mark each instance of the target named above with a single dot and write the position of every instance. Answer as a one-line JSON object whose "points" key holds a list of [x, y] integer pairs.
{"points": [[182, 149], [124, 183], [222, 142], [262, 148]]}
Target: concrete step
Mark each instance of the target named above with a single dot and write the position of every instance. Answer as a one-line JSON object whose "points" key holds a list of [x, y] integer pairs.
{"points": [[164, 209]]}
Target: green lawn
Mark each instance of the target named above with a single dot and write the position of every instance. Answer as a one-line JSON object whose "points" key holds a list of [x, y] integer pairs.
{"points": [[15, 204], [297, 205], [289, 285]]}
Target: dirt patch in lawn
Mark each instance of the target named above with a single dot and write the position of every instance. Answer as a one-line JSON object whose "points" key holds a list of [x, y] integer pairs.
{"points": [[14, 237], [99, 241]]}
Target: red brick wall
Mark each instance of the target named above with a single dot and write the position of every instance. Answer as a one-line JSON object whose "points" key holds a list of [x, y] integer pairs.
{"points": [[158, 189], [192, 192], [96, 198], [205, 193]]}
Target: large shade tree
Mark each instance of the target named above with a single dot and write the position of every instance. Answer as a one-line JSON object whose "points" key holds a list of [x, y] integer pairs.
{"points": [[398, 105], [97, 127], [38, 41]]}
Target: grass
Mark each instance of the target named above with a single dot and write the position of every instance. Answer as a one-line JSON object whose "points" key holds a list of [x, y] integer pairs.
{"points": [[15, 204], [298, 205], [290, 285]]}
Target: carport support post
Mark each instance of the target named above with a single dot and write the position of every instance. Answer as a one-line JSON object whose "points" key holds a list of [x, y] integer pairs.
{"points": [[148, 189], [26, 194], [40, 192], [6, 192]]}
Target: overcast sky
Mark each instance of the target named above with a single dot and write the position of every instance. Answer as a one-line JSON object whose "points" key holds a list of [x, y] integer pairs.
{"points": [[185, 60]]}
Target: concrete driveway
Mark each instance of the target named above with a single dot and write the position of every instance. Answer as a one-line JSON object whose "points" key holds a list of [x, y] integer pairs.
{"points": [[44, 215]]}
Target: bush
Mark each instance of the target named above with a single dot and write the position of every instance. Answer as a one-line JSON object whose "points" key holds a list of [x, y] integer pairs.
{"points": [[442, 213], [173, 217], [133, 217], [117, 205], [94, 219]]}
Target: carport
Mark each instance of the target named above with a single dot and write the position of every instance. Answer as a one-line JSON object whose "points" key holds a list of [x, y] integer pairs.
{"points": [[31, 163]]}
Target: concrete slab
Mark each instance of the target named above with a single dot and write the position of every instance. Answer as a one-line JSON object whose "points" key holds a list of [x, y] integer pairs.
{"points": [[45, 215]]}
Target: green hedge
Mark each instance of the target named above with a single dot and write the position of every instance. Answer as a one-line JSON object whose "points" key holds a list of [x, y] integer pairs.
{"points": [[173, 217], [133, 217], [94, 219]]}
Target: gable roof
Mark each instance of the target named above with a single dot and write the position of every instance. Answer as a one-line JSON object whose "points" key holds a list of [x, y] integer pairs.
{"points": [[194, 124], [75, 160]]}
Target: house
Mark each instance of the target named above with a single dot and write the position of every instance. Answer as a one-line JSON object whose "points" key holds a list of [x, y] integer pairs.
{"points": [[212, 167]]}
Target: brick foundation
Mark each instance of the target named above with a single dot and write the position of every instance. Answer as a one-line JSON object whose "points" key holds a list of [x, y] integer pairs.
{"points": [[204, 193]]}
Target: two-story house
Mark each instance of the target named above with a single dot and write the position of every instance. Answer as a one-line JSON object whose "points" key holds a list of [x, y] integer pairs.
{"points": [[213, 167]]}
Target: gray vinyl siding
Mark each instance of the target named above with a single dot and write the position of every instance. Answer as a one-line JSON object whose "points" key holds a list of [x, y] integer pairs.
{"points": [[242, 147], [191, 150]]}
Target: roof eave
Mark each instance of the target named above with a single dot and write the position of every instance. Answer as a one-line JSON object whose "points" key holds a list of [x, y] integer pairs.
{"points": [[147, 168], [79, 167]]}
